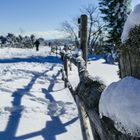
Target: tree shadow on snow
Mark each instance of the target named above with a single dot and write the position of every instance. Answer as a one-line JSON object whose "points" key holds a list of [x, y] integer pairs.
{"points": [[53, 127], [14, 118], [35, 59]]}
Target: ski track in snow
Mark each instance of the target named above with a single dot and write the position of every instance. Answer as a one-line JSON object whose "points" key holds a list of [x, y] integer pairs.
{"points": [[34, 104]]}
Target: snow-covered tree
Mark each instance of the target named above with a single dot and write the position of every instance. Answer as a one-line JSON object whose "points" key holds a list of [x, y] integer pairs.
{"points": [[114, 15], [11, 38], [2, 40]]}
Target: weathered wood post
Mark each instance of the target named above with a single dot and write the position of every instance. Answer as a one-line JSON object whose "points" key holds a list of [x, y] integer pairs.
{"points": [[66, 69], [83, 36]]}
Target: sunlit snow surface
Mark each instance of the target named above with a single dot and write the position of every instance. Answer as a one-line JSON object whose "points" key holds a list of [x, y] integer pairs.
{"points": [[34, 104]]}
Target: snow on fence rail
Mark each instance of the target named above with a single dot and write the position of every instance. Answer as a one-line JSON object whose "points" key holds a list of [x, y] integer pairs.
{"points": [[87, 93]]}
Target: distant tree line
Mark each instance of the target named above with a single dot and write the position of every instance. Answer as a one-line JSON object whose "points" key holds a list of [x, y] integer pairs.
{"points": [[11, 40]]}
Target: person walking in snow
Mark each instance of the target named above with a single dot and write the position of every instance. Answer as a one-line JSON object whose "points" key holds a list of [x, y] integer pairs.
{"points": [[37, 45], [49, 44]]}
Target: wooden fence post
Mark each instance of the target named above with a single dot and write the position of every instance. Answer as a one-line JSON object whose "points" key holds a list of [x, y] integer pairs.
{"points": [[66, 69], [83, 36]]}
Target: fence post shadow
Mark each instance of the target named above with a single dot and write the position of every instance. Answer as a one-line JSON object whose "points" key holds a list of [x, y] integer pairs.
{"points": [[14, 118]]}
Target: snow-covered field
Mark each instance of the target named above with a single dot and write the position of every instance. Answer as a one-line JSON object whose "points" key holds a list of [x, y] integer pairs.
{"points": [[34, 104]]}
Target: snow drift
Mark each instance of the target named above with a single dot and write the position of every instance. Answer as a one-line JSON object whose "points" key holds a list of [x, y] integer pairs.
{"points": [[121, 103]]}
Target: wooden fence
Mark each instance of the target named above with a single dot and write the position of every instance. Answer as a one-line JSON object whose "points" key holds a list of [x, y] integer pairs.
{"points": [[87, 95]]}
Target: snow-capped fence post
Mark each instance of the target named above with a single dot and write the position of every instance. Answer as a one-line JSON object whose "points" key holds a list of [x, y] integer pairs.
{"points": [[83, 36]]}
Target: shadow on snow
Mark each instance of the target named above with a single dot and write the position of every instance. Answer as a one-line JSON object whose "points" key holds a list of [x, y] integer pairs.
{"points": [[36, 59], [52, 128], [14, 118]]}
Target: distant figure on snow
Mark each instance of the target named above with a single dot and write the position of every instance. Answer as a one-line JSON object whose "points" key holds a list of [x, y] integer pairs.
{"points": [[49, 44], [37, 45]]}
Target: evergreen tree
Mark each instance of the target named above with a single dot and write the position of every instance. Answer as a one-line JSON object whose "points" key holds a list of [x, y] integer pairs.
{"points": [[114, 15]]}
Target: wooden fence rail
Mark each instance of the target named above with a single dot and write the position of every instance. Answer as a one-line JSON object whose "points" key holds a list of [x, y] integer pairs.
{"points": [[86, 95]]}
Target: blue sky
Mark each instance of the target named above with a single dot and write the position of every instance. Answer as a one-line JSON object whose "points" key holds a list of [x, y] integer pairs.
{"points": [[40, 16]]}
